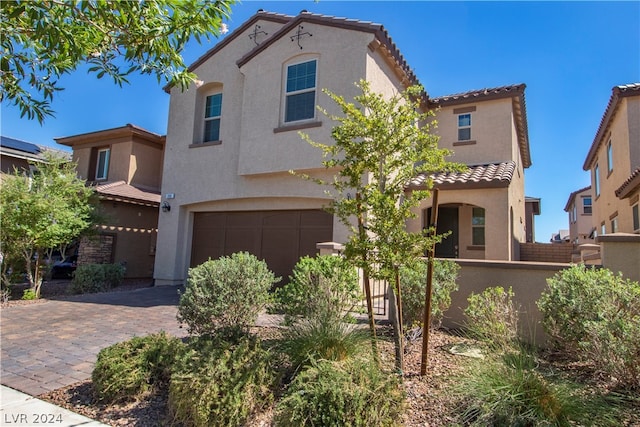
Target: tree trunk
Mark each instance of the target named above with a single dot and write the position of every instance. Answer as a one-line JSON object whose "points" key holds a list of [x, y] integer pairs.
{"points": [[398, 334]]}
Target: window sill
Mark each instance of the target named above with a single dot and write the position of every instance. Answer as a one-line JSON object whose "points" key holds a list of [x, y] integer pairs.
{"points": [[475, 248], [470, 142], [205, 144], [297, 126]]}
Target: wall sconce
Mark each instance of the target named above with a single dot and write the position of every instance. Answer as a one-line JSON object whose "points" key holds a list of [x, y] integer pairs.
{"points": [[165, 206]]}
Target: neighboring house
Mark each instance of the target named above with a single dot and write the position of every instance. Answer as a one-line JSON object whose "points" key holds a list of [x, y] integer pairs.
{"points": [[562, 236], [484, 206], [125, 167], [580, 208], [233, 139], [614, 163], [17, 154]]}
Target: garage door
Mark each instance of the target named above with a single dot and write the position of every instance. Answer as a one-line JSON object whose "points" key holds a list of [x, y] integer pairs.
{"points": [[278, 237]]}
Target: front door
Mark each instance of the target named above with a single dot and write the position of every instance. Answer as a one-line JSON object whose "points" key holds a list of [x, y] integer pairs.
{"points": [[447, 222]]}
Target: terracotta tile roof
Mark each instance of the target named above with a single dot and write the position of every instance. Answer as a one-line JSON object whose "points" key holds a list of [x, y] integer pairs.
{"points": [[491, 175], [121, 191], [572, 196], [629, 185], [617, 92], [515, 92]]}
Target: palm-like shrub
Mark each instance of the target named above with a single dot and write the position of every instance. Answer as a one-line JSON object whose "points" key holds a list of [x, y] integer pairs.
{"points": [[226, 294]]}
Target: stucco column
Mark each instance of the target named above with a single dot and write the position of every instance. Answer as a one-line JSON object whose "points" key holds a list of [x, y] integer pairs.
{"points": [[171, 247]]}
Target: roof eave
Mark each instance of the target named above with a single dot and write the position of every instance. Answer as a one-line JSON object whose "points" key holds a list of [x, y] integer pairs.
{"points": [[122, 131]]}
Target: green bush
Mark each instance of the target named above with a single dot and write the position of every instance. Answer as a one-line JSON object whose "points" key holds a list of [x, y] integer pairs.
{"points": [[354, 393], [413, 282], [132, 368], [220, 383], [325, 338], [509, 391], [324, 286], [225, 294], [91, 278], [594, 315], [493, 317], [29, 294]]}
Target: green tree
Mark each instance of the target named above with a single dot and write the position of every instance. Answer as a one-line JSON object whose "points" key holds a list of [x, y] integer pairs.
{"points": [[51, 208], [43, 40], [381, 144]]}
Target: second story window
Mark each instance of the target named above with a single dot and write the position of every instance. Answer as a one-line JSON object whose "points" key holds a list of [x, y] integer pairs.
{"points": [[102, 164], [609, 157], [300, 96], [586, 206], [574, 213], [213, 111], [464, 127], [614, 224], [596, 179], [635, 212], [477, 226]]}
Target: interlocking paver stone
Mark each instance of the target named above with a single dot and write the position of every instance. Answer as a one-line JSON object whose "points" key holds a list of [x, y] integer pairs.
{"points": [[50, 345]]}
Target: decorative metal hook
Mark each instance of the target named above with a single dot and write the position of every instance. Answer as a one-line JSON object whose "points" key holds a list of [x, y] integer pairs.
{"points": [[254, 36], [299, 34]]}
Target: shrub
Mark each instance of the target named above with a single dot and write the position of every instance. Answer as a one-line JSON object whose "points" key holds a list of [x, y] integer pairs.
{"points": [[324, 286], [132, 368], [220, 383], [354, 393], [319, 338], [594, 315], [493, 317], [91, 278], [225, 294], [29, 294], [509, 391], [413, 281]]}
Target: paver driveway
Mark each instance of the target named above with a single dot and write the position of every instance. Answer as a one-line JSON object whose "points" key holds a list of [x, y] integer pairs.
{"points": [[53, 344]]}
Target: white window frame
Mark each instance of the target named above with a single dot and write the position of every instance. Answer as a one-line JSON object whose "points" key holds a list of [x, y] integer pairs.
{"points": [[614, 224], [596, 179], [464, 127], [574, 213], [103, 174], [212, 118], [609, 157], [287, 94]]}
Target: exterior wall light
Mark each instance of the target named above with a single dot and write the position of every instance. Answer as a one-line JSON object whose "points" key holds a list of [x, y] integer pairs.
{"points": [[165, 206]]}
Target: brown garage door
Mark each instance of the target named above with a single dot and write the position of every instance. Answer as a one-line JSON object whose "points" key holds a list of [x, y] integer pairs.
{"points": [[278, 237]]}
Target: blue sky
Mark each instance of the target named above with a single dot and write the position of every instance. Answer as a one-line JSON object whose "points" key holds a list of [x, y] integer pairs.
{"points": [[569, 54]]}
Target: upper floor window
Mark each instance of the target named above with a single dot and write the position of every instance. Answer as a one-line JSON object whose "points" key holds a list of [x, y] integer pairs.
{"points": [[596, 179], [603, 229], [102, 164], [614, 224], [477, 226], [300, 96], [636, 217], [464, 127], [213, 111], [609, 157], [574, 213], [586, 205]]}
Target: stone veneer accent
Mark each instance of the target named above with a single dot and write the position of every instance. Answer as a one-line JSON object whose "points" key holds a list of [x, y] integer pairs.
{"points": [[96, 250]]}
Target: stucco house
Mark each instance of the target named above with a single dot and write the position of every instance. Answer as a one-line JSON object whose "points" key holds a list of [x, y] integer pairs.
{"points": [[580, 208], [124, 165], [483, 207], [233, 138], [22, 155], [614, 162]]}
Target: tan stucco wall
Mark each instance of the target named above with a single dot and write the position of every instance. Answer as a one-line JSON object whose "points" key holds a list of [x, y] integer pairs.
{"points": [[620, 254], [527, 279], [624, 133], [492, 129], [145, 165], [249, 169]]}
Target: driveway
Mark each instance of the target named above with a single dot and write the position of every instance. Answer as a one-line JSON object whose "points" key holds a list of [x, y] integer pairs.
{"points": [[48, 345]]}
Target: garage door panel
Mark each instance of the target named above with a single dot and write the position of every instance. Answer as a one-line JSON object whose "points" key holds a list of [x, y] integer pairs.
{"points": [[278, 237]]}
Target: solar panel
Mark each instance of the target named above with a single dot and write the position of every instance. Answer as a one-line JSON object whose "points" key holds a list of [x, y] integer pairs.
{"points": [[16, 144]]}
